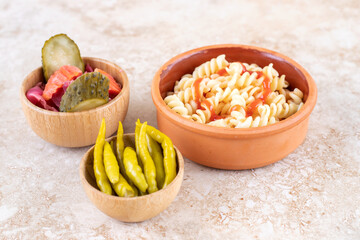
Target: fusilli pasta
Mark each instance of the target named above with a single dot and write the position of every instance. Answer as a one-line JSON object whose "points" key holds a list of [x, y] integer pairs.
{"points": [[234, 95]]}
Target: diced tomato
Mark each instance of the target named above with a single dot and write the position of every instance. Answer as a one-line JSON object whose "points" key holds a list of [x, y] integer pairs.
{"points": [[57, 80], [114, 87]]}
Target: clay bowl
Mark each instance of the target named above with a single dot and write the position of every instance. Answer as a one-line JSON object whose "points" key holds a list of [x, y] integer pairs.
{"points": [[76, 129], [135, 209], [227, 148]]}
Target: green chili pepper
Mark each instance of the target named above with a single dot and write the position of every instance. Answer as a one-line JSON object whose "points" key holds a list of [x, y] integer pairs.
{"points": [[169, 161], [157, 156], [133, 170], [119, 152], [100, 175], [137, 136], [123, 188], [148, 163], [169, 153], [120, 141], [111, 164]]}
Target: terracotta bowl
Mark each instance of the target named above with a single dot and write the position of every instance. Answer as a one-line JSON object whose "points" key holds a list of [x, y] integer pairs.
{"points": [[135, 209], [76, 129], [227, 148]]}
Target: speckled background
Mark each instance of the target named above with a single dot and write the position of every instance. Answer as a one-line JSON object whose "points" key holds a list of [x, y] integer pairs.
{"points": [[311, 194]]}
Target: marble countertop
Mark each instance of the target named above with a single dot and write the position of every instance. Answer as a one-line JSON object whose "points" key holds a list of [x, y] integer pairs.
{"points": [[311, 194]]}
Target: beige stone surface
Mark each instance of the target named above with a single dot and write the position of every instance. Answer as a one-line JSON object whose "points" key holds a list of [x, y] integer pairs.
{"points": [[311, 194]]}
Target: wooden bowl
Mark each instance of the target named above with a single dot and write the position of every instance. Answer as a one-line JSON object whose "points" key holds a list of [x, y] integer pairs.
{"points": [[76, 129], [135, 209], [227, 148]]}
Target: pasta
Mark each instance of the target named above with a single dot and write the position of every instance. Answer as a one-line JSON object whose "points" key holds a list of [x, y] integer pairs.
{"points": [[234, 95], [210, 67]]}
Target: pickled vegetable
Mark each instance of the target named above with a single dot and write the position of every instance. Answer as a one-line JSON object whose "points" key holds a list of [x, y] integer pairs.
{"points": [[88, 91], [123, 188], [59, 78], [169, 153], [110, 163], [148, 163], [133, 170], [102, 180], [157, 156], [58, 51], [114, 87]]}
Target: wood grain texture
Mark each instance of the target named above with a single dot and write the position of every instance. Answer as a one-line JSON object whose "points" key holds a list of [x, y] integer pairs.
{"points": [[77, 129], [134, 209]]}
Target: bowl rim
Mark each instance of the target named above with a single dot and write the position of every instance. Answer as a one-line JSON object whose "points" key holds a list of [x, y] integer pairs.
{"points": [[82, 169], [208, 130], [124, 87]]}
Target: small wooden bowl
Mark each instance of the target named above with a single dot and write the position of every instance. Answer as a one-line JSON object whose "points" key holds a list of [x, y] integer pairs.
{"points": [[135, 209], [228, 148], [76, 129]]}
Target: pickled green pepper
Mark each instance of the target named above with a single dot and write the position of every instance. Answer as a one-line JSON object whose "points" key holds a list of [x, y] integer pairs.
{"points": [[148, 163], [169, 153], [102, 180], [133, 170], [119, 146], [111, 164], [157, 156], [123, 188]]}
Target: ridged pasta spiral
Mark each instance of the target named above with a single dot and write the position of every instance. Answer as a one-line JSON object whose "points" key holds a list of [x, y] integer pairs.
{"points": [[235, 95], [185, 82], [201, 116], [210, 67], [250, 122], [175, 104]]}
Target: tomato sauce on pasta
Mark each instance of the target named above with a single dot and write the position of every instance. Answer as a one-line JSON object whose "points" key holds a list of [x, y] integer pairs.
{"points": [[234, 94]]}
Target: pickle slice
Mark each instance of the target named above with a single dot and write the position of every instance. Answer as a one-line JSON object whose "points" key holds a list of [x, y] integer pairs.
{"points": [[58, 51], [88, 91]]}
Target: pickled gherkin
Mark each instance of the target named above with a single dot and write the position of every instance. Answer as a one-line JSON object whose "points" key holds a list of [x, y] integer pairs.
{"points": [[88, 91], [58, 51]]}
